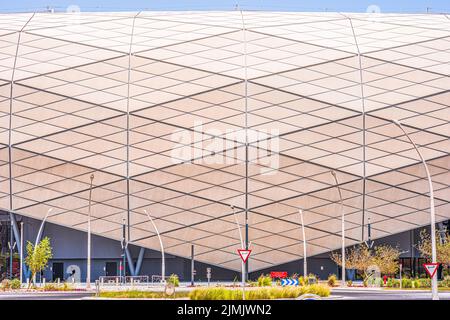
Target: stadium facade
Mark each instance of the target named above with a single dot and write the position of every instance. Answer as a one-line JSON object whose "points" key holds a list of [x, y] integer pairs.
{"points": [[200, 116]]}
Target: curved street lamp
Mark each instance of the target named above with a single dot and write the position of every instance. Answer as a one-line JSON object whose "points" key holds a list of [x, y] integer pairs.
{"points": [[434, 287], [163, 262], [342, 227], [41, 229], [88, 275], [305, 265]]}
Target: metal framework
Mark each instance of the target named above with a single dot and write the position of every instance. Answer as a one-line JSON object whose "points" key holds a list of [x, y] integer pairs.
{"points": [[104, 93]]}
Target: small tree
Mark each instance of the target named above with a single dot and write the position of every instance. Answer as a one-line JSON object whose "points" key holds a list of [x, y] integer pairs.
{"points": [[358, 257], [361, 258], [38, 256], [442, 247], [386, 258]]}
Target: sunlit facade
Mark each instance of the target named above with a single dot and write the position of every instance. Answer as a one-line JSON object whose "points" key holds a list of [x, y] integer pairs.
{"points": [[116, 94]]}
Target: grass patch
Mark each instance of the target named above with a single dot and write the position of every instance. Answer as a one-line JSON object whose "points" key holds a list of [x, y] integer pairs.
{"points": [[222, 293], [136, 294]]}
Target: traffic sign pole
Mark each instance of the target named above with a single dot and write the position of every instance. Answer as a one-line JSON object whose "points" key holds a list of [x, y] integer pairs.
{"points": [[242, 246]]}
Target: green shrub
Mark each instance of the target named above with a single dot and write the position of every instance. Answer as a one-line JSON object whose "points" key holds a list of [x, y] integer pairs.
{"points": [[252, 283], [424, 283], [15, 284], [222, 293], [332, 280], [406, 283], [393, 283], [446, 281], [378, 282], [173, 279], [6, 284], [302, 281], [51, 287], [264, 281]]}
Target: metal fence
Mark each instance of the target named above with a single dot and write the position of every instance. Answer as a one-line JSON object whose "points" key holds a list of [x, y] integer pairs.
{"points": [[136, 280], [111, 280], [157, 279], [127, 281]]}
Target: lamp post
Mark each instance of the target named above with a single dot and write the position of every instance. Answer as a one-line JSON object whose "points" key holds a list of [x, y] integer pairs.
{"points": [[124, 244], [242, 247], [88, 275], [21, 252], [342, 227], [163, 262], [434, 287], [41, 229], [305, 271], [11, 250]]}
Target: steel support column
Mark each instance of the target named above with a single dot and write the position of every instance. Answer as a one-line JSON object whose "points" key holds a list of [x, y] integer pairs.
{"points": [[130, 261], [139, 261]]}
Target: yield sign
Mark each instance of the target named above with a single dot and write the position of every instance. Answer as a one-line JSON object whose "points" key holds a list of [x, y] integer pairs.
{"points": [[431, 268], [244, 254]]}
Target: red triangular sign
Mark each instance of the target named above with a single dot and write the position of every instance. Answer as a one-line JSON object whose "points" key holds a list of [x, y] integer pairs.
{"points": [[431, 268], [244, 254]]}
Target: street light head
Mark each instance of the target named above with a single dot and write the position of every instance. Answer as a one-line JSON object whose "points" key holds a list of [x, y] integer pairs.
{"points": [[397, 122], [333, 173], [49, 210], [300, 210], [232, 207], [92, 177]]}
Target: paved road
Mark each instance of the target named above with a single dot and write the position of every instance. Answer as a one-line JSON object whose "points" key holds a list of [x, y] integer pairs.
{"points": [[341, 294], [45, 296], [387, 295]]}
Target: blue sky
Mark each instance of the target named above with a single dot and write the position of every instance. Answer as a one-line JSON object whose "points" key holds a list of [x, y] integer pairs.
{"points": [[404, 6]]}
